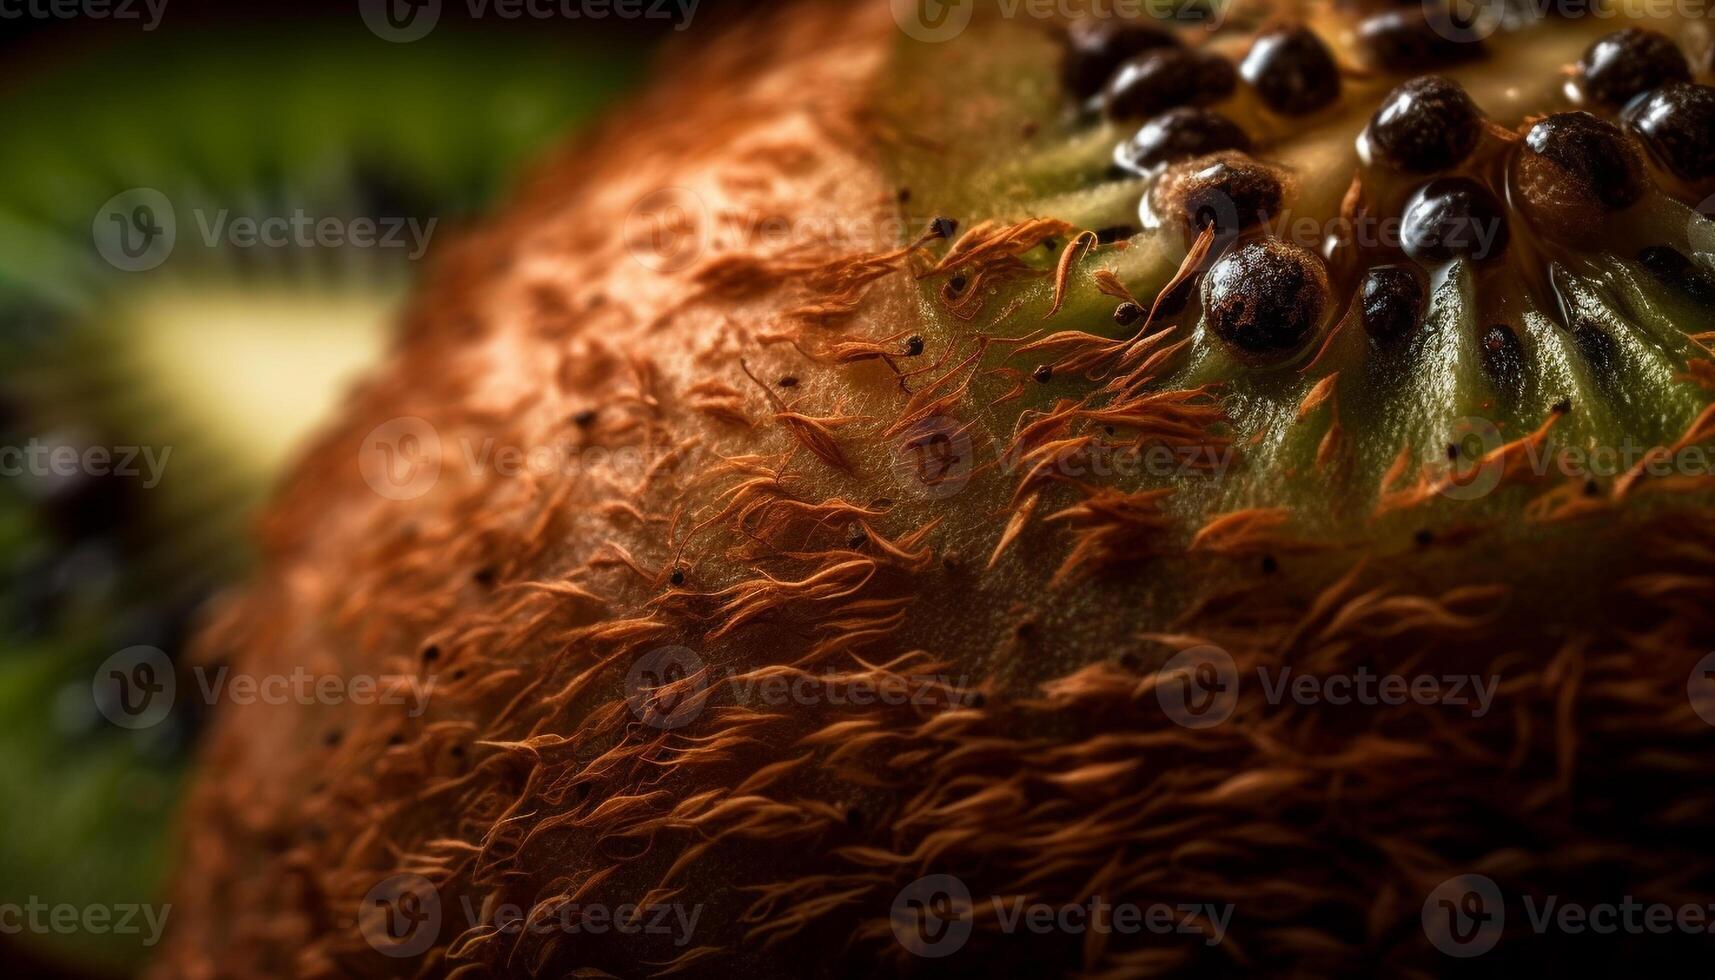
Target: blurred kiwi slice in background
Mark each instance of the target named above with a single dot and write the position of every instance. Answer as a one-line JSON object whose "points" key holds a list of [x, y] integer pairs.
{"points": [[219, 359]]}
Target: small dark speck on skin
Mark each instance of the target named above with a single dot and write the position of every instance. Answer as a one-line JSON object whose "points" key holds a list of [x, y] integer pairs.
{"points": [[431, 653], [484, 576], [584, 419], [333, 738], [944, 227], [1026, 630], [1110, 430], [458, 751], [1452, 450], [1269, 565], [1424, 537], [678, 576], [1050, 244], [1592, 488], [1563, 406], [395, 739], [950, 562], [978, 700], [788, 381], [458, 675], [904, 194]]}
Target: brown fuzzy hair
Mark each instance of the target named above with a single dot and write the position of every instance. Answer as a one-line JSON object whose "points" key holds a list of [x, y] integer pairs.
{"points": [[761, 526]]}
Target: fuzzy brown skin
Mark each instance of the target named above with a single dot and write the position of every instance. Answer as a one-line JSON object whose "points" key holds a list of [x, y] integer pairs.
{"points": [[1042, 764]]}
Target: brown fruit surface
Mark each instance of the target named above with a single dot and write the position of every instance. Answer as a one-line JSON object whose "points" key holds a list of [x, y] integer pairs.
{"points": [[834, 536]]}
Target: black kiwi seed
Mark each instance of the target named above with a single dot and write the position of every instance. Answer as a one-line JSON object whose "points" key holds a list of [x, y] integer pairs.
{"points": [[1265, 300], [1503, 357], [1127, 313], [1454, 217], [1166, 78], [1673, 269], [1292, 71], [1625, 63], [943, 227], [1405, 41], [1594, 154], [913, 345], [1392, 302], [1228, 191], [1179, 134], [1096, 47], [1677, 123], [1427, 124], [1043, 374]]}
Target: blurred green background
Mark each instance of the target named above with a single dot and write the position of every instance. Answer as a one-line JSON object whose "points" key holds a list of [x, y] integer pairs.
{"points": [[216, 355]]}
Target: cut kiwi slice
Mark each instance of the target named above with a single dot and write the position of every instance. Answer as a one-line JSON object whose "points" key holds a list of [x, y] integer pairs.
{"points": [[1480, 235], [220, 361]]}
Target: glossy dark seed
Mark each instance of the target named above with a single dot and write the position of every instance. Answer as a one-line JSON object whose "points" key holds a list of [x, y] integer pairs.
{"points": [[1179, 134], [1043, 374], [1677, 124], [1229, 191], [1627, 63], [1593, 153], [913, 345], [1673, 269], [1427, 124], [1391, 302], [1405, 41], [1454, 217], [943, 227], [1127, 313], [1265, 300], [787, 381], [1503, 357], [1166, 78], [1096, 47], [1292, 71]]}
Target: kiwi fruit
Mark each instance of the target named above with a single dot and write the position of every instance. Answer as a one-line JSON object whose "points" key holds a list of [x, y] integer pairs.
{"points": [[1381, 389], [213, 364]]}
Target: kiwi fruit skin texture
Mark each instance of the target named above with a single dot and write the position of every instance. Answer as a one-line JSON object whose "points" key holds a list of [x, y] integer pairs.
{"points": [[529, 778]]}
